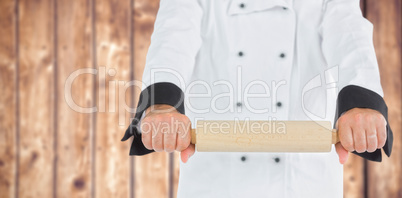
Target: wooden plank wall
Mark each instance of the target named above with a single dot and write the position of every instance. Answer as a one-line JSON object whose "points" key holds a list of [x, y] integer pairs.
{"points": [[37, 98], [8, 100], [112, 57], [386, 17], [74, 130], [48, 149]]}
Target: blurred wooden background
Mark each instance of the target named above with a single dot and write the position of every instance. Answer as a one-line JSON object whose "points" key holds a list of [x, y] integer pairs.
{"points": [[49, 150]]}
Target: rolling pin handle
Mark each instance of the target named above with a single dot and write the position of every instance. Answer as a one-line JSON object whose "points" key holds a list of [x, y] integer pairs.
{"points": [[335, 136], [193, 136]]}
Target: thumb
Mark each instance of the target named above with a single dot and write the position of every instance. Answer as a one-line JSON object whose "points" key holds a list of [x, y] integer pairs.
{"points": [[187, 153], [342, 153]]}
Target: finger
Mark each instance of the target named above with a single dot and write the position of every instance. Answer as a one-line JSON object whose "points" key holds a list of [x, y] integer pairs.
{"points": [[342, 153], [183, 137], [146, 135], [187, 153], [359, 137], [147, 141], [345, 135], [371, 138], [169, 139], [381, 134], [157, 140]]}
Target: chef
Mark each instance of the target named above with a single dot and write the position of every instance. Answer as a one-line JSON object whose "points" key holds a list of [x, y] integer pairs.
{"points": [[261, 60]]}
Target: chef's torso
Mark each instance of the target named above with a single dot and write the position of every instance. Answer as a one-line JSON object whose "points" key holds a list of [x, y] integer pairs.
{"points": [[254, 64], [260, 60]]}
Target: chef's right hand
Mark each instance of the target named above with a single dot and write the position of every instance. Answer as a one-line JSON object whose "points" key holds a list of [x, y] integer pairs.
{"points": [[165, 129]]}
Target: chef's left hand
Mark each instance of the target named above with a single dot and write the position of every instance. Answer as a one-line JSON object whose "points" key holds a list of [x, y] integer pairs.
{"points": [[360, 130]]}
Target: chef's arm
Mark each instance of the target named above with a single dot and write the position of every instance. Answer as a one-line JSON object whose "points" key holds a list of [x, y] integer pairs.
{"points": [[170, 61], [347, 43]]}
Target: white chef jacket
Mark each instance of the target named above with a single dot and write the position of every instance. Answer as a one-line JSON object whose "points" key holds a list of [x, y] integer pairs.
{"points": [[310, 49]]}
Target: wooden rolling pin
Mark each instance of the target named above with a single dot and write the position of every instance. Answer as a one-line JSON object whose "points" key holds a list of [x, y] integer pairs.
{"points": [[263, 136]]}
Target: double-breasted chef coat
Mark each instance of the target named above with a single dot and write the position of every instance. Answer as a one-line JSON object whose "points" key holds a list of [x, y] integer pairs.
{"points": [[261, 60]]}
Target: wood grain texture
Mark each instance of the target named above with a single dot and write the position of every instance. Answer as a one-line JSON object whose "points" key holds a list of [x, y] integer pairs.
{"points": [[151, 175], [8, 99], [385, 179], [151, 171], [353, 177], [112, 18], [37, 98], [262, 136], [75, 127], [144, 18]]}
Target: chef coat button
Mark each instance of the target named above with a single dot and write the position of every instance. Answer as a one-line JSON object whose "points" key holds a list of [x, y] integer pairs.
{"points": [[240, 53], [239, 104], [284, 8], [282, 55], [278, 104], [277, 159], [243, 158], [242, 5]]}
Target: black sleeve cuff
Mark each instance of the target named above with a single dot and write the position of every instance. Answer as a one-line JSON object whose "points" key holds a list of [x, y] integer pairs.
{"points": [[353, 96], [158, 93]]}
